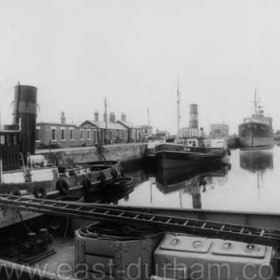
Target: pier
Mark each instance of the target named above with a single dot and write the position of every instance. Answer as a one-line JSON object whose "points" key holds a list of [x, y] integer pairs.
{"points": [[125, 153]]}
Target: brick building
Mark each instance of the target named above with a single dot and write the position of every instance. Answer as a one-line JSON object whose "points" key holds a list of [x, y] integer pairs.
{"points": [[109, 132], [135, 132], [59, 135], [89, 133]]}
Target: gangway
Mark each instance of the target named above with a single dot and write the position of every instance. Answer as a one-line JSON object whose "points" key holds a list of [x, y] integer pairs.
{"points": [[95, 212]]}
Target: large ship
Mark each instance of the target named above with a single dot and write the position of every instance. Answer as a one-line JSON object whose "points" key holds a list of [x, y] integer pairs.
{"points": [[256, 131]]}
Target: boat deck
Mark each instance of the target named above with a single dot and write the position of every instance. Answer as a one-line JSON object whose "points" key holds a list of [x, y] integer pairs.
{"points": [[60, 265]]}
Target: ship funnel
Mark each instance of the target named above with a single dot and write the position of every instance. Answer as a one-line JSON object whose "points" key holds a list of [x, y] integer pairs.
{"points": [[25, 113], [193, 116]]}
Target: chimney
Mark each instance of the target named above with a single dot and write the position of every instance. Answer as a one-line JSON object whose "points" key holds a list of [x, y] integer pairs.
{"points": [[62, 118], [123, 117], [193, 116], [112, 117], [96, 116]]}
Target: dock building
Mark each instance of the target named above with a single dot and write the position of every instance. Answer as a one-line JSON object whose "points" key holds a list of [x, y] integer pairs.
{"points": [[88, 133], [219, 130], [135, 132], [109, 132], [58, 135]]}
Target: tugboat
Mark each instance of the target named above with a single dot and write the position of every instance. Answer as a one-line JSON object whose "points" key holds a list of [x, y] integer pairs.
{"points": [[256, 131], [24, 173]]}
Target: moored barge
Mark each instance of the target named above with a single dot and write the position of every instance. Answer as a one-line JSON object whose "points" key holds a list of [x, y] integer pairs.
{"points": [[171, 155]]}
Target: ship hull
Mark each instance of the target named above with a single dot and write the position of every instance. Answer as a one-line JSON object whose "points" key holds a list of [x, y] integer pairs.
{"points": [[167, 160], [177, 156], [74, 182], [255, 135]]}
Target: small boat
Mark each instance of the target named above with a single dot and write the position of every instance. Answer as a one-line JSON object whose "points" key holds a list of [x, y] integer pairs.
{"points": [[99, 173], [121, 183], [212, 152]]}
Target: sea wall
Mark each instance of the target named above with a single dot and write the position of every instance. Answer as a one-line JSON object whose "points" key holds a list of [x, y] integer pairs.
{"points": [[123, 152]]}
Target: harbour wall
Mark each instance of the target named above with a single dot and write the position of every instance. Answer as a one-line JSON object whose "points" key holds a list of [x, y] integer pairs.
{"points": [[125, 153]]}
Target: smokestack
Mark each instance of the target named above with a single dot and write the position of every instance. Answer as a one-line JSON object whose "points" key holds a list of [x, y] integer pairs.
{"points": [[193, 116], [123, 117], [96, 116], [62, 118], [25, 113], [112, 117]]}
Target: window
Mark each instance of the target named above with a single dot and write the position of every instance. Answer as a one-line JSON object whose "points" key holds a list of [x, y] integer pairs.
{"points": [[2, 139], [37, 134], [88, 134], [53, 134], [71, 134], [82, 134], [62, 134], [15, 140]]}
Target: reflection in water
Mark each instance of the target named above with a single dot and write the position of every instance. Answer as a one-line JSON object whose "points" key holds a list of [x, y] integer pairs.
{"points": [[190, 183], [256, 161], [251, 185], [168, 181]]}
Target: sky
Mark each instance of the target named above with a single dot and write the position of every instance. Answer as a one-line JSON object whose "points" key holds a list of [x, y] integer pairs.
{"points": [[77, 52]]}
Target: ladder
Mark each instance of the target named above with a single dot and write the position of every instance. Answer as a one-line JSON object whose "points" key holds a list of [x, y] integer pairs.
{"points": [[95, 212]]}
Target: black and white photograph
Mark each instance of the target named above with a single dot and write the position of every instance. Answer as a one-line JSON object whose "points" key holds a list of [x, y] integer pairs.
{"points": [[139, 139]]}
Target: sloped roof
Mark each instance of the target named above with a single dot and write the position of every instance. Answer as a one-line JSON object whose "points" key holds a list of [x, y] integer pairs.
{"points": [[102, 125], [56, 124], [129, 124]]}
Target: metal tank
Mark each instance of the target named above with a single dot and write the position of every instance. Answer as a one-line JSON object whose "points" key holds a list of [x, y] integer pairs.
{"points": [[25, 113], [193, 116], [181, 256]]}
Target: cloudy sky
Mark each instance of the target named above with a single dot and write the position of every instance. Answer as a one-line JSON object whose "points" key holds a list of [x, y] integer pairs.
{"points": [[79, 51]]}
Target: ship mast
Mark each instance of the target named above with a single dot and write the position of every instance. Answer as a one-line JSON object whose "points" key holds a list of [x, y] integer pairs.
{"points": [[178, 107], [106, 121], [149, 123], [255, 102]]}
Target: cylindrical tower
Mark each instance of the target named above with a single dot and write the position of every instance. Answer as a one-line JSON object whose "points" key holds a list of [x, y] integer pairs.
{"points": [[193, 116], [25, 113]]}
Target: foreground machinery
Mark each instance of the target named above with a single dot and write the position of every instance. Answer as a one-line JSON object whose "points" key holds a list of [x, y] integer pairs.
{"points": [[133, 244]]}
